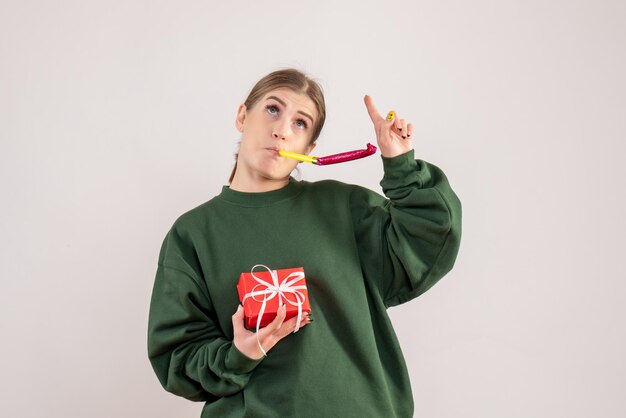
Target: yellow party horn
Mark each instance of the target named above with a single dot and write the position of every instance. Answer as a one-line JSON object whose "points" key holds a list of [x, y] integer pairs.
{"points": [[342, 157], [299, 157]]}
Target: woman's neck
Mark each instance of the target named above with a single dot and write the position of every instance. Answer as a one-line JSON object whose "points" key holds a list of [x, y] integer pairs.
{"points": [[242, 183]]}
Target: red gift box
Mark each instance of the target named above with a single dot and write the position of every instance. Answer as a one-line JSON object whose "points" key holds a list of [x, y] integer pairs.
{"points": [[263, 290]]}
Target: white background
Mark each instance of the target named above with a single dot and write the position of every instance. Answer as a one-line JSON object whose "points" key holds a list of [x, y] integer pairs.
{"points": [[118, 116]]}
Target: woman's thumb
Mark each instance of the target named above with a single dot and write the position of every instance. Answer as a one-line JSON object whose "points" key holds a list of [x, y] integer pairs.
{"points": [[238, 315]]}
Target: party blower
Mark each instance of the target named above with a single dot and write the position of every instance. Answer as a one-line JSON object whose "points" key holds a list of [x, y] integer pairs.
{"points": [[331, 159]]}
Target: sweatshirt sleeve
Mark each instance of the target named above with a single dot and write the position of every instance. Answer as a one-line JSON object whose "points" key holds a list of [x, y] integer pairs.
{"points": [[410, 240], [190, 354]]}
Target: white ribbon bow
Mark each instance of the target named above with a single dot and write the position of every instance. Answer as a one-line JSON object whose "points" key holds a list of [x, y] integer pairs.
{"points": [[272, 289]]}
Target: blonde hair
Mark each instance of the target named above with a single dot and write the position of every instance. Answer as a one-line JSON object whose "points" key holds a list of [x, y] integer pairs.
{"points": [[298, 82]]}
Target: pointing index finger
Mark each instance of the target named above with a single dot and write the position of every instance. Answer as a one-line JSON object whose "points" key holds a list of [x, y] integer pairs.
{"points": [[371, 109]]}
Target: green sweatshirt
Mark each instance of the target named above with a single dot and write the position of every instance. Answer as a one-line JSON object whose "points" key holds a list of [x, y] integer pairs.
{"points": [[361, 254]]}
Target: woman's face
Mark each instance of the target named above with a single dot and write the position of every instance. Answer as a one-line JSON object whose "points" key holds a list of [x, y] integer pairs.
{"points": [[280, 120]]}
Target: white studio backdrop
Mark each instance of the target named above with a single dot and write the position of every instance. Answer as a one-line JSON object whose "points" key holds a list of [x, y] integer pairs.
{"points": [[118, 116]]}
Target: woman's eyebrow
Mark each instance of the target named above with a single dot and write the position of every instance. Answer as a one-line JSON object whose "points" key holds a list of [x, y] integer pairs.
{"points": [[285, 105]]}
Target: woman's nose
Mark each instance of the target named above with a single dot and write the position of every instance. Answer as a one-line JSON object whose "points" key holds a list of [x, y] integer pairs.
{"points": [[281, 130]]}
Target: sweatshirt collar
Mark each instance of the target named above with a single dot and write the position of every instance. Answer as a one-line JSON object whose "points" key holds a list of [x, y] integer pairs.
{"points": [[259, 199]]}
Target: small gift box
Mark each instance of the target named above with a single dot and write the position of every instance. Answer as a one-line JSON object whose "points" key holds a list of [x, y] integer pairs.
{"points": [[262, 291]]}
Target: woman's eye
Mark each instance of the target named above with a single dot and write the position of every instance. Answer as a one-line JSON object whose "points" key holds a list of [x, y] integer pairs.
{"points": [[272, 109], [301, 124]]}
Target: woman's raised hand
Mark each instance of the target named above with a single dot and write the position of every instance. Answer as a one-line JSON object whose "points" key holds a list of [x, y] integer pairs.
{"points": [[394, 136], [246, 341]]}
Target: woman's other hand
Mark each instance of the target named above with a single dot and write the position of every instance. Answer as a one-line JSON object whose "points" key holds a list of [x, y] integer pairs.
{"points": [[246, 341], [394, 136]]}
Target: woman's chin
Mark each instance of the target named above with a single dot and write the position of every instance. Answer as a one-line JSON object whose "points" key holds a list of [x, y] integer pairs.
{"points": [[277, 173]]}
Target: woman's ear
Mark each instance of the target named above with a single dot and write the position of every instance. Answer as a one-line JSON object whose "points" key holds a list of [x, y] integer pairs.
{"points": [[241, 117]]}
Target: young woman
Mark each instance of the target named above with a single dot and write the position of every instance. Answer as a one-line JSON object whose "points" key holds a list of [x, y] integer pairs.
{"points": [[361, 253]]}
